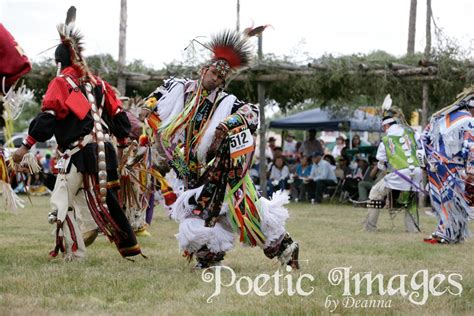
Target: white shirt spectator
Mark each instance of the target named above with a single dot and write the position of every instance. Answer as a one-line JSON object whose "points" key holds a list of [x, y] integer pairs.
{"points": [[336, 151], [279, 174], [322, 171], [289, 147]]}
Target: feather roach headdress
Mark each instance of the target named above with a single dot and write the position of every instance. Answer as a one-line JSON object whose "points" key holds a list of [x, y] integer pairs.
{"points": [[230, 51], [69, 51], [391, 114]]}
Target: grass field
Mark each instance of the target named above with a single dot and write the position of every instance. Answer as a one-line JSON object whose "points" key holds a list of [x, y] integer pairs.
{"points": [[330, 236]]}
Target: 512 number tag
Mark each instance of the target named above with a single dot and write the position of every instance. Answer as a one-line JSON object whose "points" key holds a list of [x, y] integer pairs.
{"points": [[241, 143]]}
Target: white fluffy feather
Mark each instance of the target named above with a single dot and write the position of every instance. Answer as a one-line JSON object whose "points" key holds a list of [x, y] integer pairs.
{"points": [[181, 208], [69, 29], [193, 235], [387, 103], [274, 216]]}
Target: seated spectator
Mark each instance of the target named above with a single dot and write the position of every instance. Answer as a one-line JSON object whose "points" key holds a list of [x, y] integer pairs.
{"points": [[340, 145], [331, 160], [324, 147], [19, 182], [38, 157], [368, 180], [300, 179], [278, 175], [289, 148], [356, 143], [269, 149], [351, 181], [298, 147], [45, 163], [271, 142], [277, 153], [343, 167], [322, 175], [36, 185]]}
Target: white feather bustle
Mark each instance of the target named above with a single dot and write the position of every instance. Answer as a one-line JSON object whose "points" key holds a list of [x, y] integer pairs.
{"points": [[193, 235], [273, 215]]}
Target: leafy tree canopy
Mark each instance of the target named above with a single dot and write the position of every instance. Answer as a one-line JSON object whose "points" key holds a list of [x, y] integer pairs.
{"points": [[341, 84]]}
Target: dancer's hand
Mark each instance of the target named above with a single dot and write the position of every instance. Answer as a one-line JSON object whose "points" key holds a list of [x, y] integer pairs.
{"points": [[19, 153], [219, 136]]}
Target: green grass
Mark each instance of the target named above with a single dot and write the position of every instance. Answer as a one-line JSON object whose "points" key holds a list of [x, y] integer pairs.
{"points": [[330, 236]]}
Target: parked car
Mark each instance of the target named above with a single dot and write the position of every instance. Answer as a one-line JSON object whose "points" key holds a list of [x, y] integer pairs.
{"points": [[17, 140]]}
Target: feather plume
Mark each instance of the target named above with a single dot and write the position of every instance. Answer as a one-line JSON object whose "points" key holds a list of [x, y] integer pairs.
{"points": [[71, 15], [73, 39], [256, 31], [387, 103]]}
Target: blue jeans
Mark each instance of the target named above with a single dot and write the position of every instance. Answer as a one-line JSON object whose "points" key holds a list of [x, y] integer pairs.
{"points": [[282, 184]]}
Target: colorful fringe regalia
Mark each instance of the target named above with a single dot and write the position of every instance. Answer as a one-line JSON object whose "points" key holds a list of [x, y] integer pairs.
{"points": [[13, 64], [139, 181], [135, 185], [449, 147], [83, 113], [207, 137], [218, 197]]}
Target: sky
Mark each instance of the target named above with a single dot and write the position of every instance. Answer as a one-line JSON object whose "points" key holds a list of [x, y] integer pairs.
{"points": [[158, 30]]}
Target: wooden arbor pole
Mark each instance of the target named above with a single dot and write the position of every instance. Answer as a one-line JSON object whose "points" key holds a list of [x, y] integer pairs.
{"points": [[425, 86], [425, 91], [263, 127], [122, 80]]}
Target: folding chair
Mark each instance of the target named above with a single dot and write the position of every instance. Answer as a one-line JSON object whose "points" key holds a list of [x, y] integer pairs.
{"points": [[337, 189]]}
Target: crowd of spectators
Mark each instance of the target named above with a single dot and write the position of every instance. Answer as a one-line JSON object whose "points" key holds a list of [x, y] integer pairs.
{"points": [[41, 183], [308, 170]]}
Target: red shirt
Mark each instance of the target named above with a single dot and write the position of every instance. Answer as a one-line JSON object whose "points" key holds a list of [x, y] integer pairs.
{"points": [[59, 90]]}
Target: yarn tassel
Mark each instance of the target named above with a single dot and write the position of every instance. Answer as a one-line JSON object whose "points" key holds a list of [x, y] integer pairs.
{"points": [[30, 161], [13, 201]]}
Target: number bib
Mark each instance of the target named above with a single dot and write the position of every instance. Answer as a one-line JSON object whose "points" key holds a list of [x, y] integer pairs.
{"points": [[241, 143], [60, 164]]}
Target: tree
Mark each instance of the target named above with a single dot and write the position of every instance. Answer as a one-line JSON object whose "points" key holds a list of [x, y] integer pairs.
{"points": [[122, 82], [424, 108], [412, 28]]}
